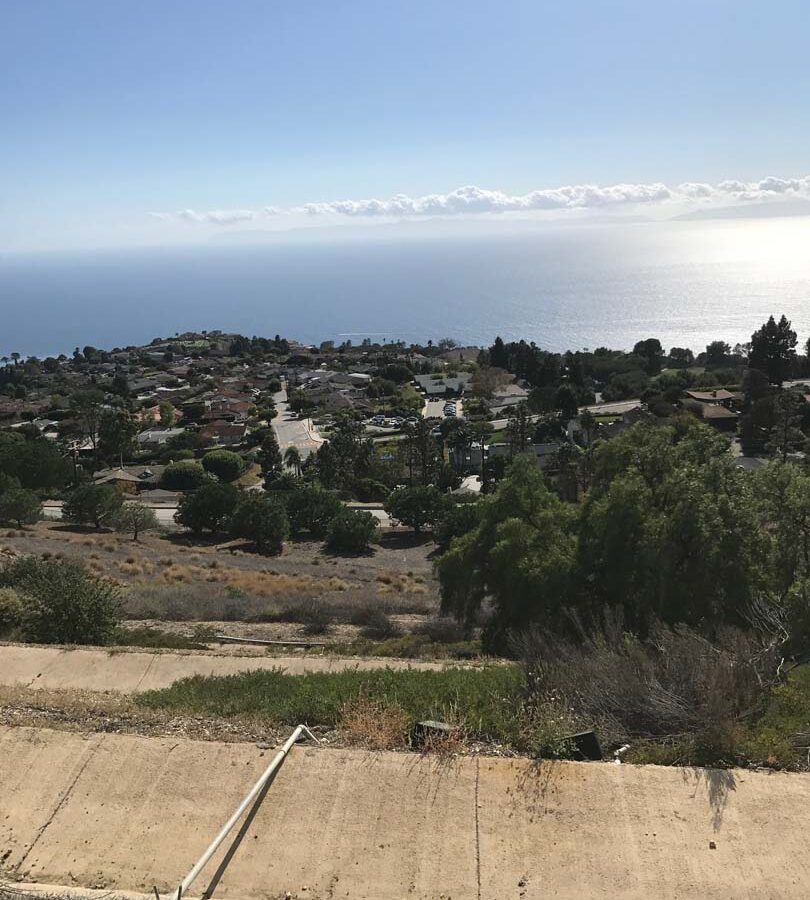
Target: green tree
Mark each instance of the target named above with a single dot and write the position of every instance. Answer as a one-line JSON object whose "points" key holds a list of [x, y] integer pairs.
{"points": [[292, 459], [521, 555], [773, 349], [116, 431], [351, 531], [95, 504], [717, 353], [87, 406], [224, 464], [35, 462], [669, 530], [185, 475], [786, 435], [262, 520], [134, 518], [588, 424], [270, 455], [681, 356], [415, 507], [652, 353], [518, 429], [209, 508], [422, 452], [454, 520], [61, 602], [167, 414], [310, 508], [20, 506], [565, 401]]}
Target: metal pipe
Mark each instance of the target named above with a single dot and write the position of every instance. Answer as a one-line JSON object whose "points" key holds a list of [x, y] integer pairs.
{"points": [[186, 883]]}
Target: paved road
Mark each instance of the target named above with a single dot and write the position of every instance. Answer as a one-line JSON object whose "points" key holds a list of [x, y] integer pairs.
{"points": [[292, 431], [53, 668], [123, 811], [164, 514]]}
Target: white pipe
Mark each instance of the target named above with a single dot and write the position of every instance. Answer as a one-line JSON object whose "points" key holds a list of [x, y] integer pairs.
{"points": [[186, 883]]}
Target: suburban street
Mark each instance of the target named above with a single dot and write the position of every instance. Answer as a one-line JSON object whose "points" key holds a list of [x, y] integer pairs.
{"points": [[292, 431], [164, 513]]}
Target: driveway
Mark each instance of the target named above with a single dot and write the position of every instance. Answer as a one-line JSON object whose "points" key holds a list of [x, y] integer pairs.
{"points": [[292, 431]]}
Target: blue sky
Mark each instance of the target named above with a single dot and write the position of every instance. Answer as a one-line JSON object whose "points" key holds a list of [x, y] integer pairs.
{"points": [[113, 111]]}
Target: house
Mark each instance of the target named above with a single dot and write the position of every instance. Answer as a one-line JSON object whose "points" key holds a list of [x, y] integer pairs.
{"points": [[468, 459], [224, 434], [49, 428], [442, 385], [130, 479], [508, 395], [158, 496], [546, 454], [157, 437], [713, 413], [721, 395]]}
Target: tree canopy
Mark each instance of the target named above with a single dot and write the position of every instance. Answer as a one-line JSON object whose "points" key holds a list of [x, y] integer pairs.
{"points": [[670, 530]]}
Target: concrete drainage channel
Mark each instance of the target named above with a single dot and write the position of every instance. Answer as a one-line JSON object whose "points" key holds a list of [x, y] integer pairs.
{"points": [[255, 792]]}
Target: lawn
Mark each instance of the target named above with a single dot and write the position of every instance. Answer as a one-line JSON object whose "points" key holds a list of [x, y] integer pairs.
{"points": [[488, 704], [485, 702]]}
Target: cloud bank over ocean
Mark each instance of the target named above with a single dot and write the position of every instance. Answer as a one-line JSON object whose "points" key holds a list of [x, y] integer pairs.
{"points": [[475, 201]]}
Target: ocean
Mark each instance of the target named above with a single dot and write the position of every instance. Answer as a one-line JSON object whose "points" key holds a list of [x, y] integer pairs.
{"points": [[564, 287]]}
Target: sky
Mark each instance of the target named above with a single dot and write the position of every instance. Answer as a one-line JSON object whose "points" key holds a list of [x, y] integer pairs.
{"points": [[171, 121]]}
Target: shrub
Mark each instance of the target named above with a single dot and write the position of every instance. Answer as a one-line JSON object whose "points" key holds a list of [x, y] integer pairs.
{"points": [[442, 630], [379, 627], [184, 476], [262, 520], [62, 603], [315, 615], [155, 638], [350, 531], [367, 490], [364, 615], [10, 610], [133, 518], [675, 683], [225, 464], [208, 508], [374, 724], [20, 506], [92, 504]]}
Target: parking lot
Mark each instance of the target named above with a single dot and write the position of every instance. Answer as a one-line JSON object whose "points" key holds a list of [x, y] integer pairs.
{"points": [[434, 409]]}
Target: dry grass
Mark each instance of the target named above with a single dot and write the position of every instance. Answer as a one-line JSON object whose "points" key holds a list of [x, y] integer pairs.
{"points": [[175, 578], [401, 584], [373, 725], [89, 711], [446, 743]]}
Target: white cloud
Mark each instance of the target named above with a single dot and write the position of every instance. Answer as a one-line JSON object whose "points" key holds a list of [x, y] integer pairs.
{"points": [[217, 216], [473, 200]]}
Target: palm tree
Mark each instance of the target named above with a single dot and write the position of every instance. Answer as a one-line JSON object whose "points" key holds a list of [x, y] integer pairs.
{"points": [[292, 459]]}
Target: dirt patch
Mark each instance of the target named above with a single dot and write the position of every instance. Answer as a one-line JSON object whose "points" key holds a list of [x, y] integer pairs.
{"points": [[170, 578]]}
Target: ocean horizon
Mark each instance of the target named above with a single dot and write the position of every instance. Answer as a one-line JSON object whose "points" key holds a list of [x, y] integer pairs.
{"points": [[571, 287]]}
